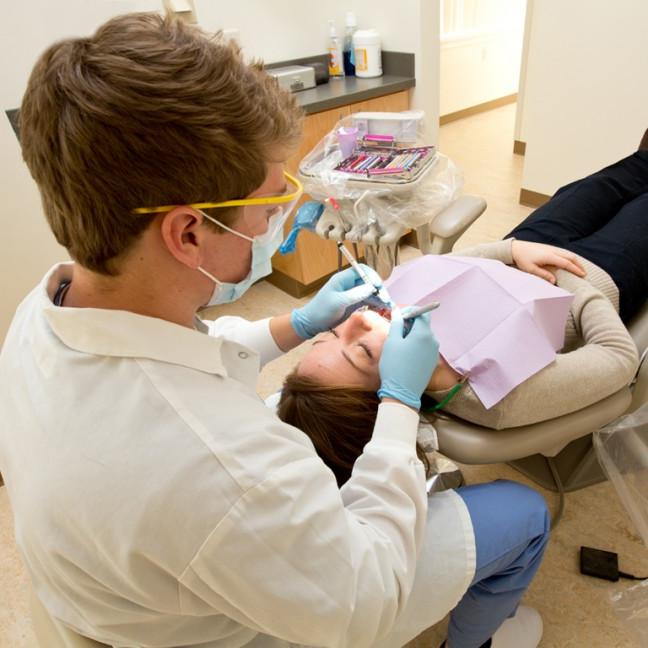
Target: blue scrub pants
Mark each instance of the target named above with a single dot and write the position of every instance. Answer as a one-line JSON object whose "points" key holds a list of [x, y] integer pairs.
{"points": [[511, 525], [603, 218]]}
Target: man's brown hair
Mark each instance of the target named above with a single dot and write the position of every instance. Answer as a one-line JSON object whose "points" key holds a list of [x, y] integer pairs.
{"points": [[148, 111], [338, 419]]}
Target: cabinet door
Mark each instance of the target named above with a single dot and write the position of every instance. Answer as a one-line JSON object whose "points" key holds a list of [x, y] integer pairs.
{"points": [[314, 257]]}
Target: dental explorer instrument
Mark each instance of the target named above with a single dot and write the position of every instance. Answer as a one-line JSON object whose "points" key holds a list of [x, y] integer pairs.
{"points": [[415, 311], [380, 291]]}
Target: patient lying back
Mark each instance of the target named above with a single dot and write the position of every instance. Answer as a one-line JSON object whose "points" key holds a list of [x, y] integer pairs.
{"points": [[599, 359]]}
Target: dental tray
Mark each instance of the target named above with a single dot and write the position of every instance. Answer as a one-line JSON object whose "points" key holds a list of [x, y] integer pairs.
{"points": [[374, 164], [380, 163]]}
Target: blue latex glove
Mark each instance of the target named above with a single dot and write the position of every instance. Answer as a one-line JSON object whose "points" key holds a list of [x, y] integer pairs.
{"points": [[407, 363], [305, 218], [343, 293]]}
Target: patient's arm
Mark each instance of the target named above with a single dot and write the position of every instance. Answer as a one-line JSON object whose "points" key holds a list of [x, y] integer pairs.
{"points": [[535, 258], [497, 250], [542, 260], [604, 364]]}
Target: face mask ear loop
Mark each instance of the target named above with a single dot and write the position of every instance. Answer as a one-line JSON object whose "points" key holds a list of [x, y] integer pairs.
{"points": [[229, 229], [211, 276]]}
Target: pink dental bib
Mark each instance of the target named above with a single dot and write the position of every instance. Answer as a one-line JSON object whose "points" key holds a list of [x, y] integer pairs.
{"points": [[496, 325]]}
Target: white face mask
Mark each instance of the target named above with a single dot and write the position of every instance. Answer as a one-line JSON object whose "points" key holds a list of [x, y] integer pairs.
{"points": [[263, 247]]}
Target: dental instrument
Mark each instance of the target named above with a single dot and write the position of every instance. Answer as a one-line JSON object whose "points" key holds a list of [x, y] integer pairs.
{"points": [[380, 290], [415, 311]]}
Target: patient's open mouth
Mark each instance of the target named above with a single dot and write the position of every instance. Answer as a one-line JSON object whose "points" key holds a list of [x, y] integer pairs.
{"points": [[383, 312]]}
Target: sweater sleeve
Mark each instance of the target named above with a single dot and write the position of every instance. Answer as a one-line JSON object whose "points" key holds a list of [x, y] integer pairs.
{"points": [[498, 251], [605, 363]]}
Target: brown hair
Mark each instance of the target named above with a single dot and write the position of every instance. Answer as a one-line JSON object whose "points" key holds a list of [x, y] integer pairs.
{"points": [[339, 420], [148, 111]]}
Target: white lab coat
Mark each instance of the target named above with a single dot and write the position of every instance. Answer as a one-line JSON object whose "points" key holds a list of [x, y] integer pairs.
{"points": [[159, 502]]}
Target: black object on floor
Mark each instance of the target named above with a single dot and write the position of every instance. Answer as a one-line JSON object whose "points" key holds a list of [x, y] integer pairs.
{"points": [[599, 563], [603, 564]]}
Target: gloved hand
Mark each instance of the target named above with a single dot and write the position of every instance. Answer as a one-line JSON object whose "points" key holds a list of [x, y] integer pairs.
{"points": [[407, 363], [343, 293]]}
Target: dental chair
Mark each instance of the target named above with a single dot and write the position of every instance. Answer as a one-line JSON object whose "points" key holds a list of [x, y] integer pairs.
{"points": [[558, 453]]}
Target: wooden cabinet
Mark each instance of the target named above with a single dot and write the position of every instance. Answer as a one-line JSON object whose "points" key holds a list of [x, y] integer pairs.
{"points": [[315, 259]]}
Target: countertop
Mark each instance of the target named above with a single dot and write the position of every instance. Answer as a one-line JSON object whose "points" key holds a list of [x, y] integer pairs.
{"points": [[398, 74], [340, 92]]}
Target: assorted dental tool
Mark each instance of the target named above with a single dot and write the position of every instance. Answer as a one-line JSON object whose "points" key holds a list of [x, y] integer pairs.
{"points": [[380, 290], [371, 160], [412, 312]]}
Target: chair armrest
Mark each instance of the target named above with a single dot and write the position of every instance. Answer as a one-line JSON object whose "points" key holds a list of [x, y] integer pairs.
{"points": [[473, 444], [440, 235], [638, 329], [639, 385], [458, 216]]}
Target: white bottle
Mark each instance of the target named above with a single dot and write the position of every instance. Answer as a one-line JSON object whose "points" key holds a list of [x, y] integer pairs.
{"points": [[335, 66], [368, 54]]}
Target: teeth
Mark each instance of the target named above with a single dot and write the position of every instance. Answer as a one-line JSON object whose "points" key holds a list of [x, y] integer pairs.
{"points": [[385, 313]]}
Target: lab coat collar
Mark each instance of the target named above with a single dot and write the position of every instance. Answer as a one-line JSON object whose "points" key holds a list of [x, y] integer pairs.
{"points": [[124, 334]]}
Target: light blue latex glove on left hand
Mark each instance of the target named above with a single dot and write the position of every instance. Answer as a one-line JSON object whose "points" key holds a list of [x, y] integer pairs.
{"points": [[407, 363], [343, 293]]}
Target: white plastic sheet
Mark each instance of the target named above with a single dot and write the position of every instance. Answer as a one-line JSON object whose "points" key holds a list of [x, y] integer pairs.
{"points": [[631, 606], [622, 449]]}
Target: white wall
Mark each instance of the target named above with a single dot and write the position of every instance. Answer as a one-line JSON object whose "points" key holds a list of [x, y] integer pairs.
{"points": [[479, 68], [481, 50], [28, 246], [526, 40], [286, 29], [277, 30], [586, 94]]}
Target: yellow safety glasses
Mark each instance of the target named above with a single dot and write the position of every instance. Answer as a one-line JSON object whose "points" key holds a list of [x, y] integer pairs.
{"points": [[293, 191]]}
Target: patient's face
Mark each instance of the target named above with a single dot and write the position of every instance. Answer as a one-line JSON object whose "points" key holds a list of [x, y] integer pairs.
{"points": [[349, 354]]}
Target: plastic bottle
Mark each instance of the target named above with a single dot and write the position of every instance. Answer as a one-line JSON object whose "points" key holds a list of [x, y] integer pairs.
{"points": [[349, 53], [336, 65], [368, 57]]}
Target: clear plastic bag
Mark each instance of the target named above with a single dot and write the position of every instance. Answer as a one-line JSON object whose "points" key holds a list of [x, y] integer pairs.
{"points": [[631, 606], [377, 199], [622, 449]]}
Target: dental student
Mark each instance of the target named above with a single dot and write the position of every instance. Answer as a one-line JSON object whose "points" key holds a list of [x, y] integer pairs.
{"points": [[157, 501]]}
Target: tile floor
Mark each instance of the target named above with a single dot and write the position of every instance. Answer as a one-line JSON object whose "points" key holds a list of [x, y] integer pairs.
{"points": [[576, 609]]}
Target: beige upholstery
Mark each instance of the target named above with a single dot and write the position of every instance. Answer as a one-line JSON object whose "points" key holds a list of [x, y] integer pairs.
{"points": [[566, 439], [51, 633], [439, 236]]}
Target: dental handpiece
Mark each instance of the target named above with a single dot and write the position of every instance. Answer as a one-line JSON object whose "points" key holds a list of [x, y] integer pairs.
{"points": [[380, 291], [413, 313]]}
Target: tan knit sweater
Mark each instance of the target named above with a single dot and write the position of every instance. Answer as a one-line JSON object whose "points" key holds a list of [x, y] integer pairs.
{"points": [[598, 359]]}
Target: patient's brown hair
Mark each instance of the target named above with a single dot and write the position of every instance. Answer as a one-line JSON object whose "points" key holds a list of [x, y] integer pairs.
{"points": [[148, 111], [339, 420]]}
